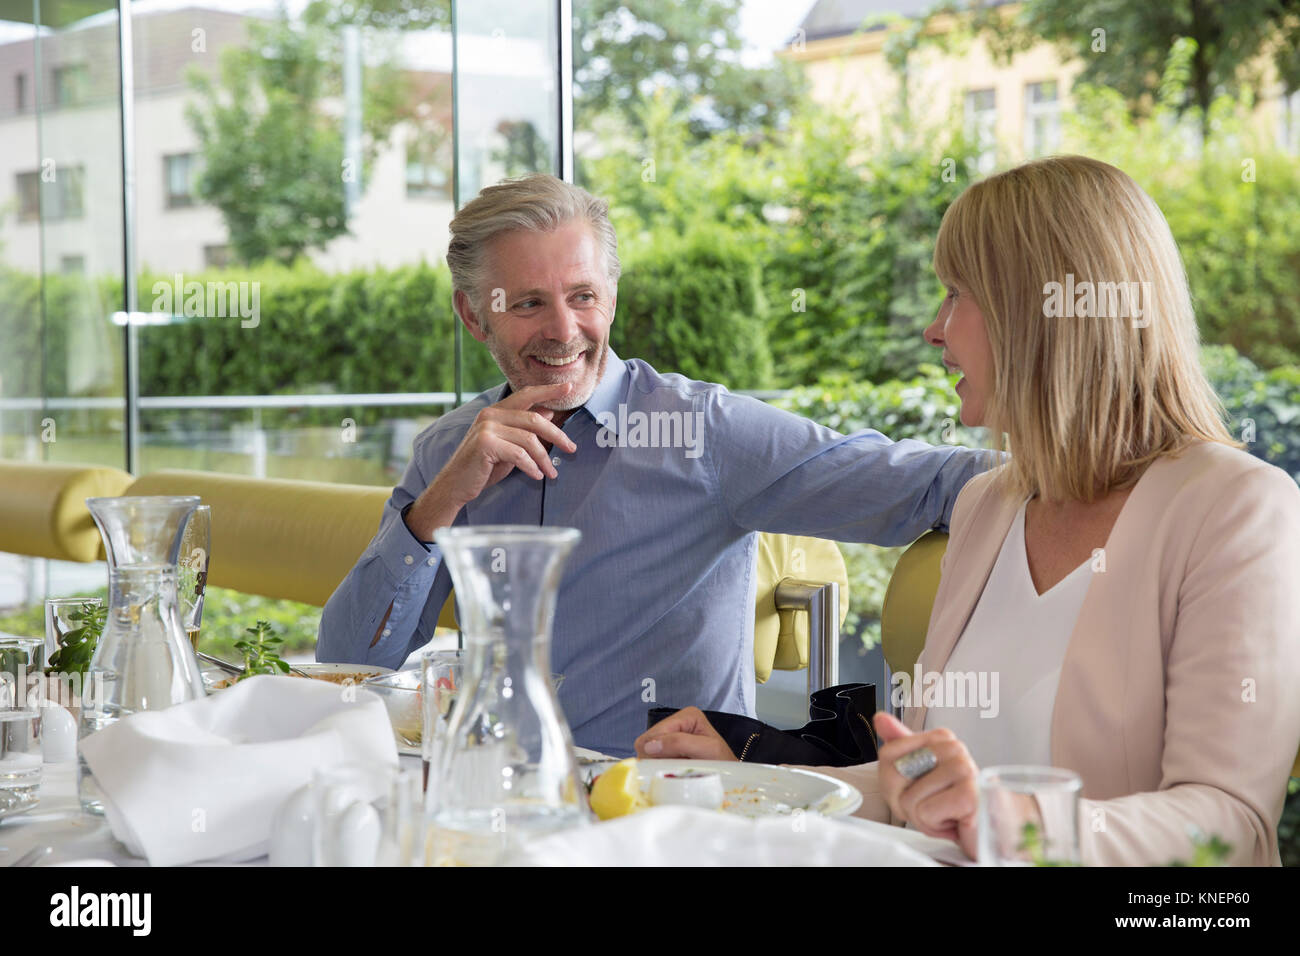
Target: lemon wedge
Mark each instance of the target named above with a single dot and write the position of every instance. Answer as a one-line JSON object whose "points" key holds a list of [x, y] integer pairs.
{"points": [[617, 791]]}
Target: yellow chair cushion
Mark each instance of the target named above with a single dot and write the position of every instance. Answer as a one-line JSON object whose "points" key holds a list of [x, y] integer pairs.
{"points": [[905, 612], [278, 538], [43, 508], [781, 637]]}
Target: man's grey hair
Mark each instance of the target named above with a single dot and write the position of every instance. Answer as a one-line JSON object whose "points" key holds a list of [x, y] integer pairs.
{"points": [[537, 203]]}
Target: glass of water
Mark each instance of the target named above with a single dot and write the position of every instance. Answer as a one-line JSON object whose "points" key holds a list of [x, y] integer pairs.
{"points": [[1028, 816], [21, 662]]}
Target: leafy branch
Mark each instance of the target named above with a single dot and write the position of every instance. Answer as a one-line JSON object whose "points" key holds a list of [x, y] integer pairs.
{"points": [[77, 646], [261, 651]]}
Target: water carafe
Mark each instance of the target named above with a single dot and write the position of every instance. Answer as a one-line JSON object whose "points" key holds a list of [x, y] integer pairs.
{"points": [[507, 769], [143, 660]]}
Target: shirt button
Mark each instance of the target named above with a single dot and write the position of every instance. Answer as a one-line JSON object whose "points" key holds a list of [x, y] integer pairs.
{"points": [[432, 561], [555, 462], [408, 559], [387, 631]]}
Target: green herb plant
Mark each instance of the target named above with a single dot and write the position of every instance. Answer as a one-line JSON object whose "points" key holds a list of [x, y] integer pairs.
{"points": [[261, 651], [77, 646]]}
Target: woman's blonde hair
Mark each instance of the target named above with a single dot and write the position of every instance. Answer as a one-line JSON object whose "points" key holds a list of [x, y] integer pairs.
{"points": [[1096, 369]]}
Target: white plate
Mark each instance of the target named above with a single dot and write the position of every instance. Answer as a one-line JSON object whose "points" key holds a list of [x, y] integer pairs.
{"points": [[213, 675], [758, 790]]}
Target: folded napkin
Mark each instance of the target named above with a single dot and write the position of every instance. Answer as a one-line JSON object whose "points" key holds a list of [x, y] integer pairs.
{"points": [[202, 780], [688, 836]]}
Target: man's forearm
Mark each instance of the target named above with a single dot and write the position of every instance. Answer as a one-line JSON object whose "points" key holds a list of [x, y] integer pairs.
{"points": [[431, 511]]}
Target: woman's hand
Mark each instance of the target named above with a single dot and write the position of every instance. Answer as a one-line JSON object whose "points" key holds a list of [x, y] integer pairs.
{"points": [[940, 803], [686, 733]]}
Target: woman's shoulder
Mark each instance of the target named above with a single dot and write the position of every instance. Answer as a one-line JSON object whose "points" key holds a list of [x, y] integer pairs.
{"points": [[1211, 469]]}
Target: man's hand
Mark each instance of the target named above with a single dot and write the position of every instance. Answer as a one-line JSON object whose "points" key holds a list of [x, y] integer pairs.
{"points": [[686, 733], [504, 436]]}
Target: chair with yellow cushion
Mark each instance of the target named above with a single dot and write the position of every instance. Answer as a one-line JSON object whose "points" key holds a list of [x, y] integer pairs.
{"points": [[43, 510], [801, 601], [905, 612]]}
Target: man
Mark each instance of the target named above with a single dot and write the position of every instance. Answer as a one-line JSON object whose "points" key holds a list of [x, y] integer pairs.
{"points": [[667, 479]]}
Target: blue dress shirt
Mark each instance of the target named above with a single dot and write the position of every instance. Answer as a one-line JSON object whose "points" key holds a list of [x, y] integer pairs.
{"points": [[670, 482]]}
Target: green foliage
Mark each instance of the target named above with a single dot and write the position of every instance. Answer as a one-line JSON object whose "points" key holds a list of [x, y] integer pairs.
{"points": [[623, 51], [260, 651], [77, 646], [226, 614], [1263, 406], [694, 304]]}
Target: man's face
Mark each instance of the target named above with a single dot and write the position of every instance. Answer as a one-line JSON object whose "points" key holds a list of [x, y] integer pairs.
{"points": [[546, 310]]}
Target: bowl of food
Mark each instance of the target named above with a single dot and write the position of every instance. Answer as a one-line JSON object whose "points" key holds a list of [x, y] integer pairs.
{"points": [[400, 692]]}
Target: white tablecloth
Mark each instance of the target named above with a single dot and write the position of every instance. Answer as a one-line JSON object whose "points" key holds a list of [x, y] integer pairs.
{"points": [[81, 838]]}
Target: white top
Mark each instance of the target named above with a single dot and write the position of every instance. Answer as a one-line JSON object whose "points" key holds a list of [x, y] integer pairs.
{"points": [[999, 685]]}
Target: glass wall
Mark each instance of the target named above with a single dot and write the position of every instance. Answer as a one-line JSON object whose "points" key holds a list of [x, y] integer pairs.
{"points": [[61, 253], [295, 169]]}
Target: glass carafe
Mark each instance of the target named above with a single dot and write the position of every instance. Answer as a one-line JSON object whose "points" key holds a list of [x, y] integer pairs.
{"points": [[507, 769], [143, 660]]}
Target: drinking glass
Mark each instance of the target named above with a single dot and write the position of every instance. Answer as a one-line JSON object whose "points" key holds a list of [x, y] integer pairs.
{"points": [[192, 572], [440, 682], [22, 660], [1028, 816], [62, 616]]}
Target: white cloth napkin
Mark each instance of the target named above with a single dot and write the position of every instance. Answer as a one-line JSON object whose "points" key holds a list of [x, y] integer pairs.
{"points": [[202, 780], [688, 836]]}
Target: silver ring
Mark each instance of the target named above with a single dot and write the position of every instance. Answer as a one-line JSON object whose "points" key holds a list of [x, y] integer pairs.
{"points": [[917, 763]]}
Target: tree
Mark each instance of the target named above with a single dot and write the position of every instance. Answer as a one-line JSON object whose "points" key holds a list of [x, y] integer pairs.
{"points": [[625, 50], [1125, 45], [273, 156]]}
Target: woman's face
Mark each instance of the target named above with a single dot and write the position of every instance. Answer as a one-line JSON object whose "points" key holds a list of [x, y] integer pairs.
{"points": [[959, 330]]}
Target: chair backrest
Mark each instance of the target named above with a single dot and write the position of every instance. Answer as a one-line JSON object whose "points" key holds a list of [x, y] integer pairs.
{"points": [[43, 508], [278, 538], [905, 613]]}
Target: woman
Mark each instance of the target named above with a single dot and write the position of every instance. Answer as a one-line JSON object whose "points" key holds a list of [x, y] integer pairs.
{"points": [[1130, 576]]}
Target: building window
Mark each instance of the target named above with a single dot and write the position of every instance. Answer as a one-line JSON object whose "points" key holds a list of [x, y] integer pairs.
{"points": [[28, 187], [981, 127], [181, 176], [427, 169], [1042, 118], [64, 195], [71, 84], [72, 265], [216, 257], [20, 92], [1289, 122]]}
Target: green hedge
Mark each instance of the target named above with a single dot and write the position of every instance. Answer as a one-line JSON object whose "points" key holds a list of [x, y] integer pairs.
{"points": [[694, 304]]}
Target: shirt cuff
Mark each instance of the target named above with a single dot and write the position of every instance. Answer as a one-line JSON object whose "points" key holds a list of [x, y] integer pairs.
{"points": [[406, 558], [427, 545]]}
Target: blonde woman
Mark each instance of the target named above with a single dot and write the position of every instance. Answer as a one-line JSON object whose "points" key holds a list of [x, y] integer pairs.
{"points": [[1131, 576]]}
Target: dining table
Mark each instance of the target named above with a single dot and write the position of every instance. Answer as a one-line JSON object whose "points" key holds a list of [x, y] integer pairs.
{"points": [[77, 838]]}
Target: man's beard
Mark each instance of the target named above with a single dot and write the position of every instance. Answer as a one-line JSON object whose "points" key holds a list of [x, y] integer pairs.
{"points": [[516, 369]]}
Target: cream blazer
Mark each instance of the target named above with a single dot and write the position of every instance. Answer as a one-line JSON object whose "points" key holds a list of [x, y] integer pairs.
{"points": [[1179, 696]]}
